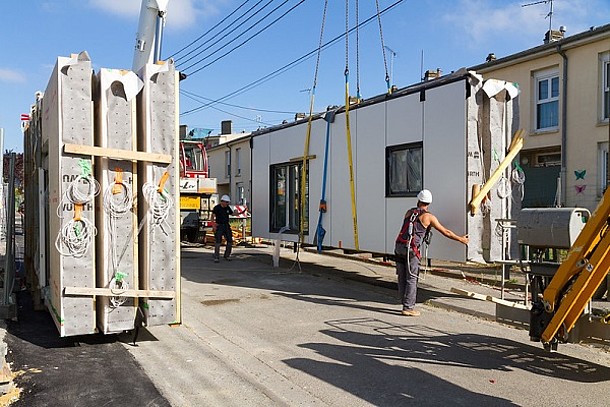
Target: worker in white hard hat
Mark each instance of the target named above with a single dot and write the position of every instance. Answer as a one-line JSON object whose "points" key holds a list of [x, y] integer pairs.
{"points": [[415, 229], [221, 226]]}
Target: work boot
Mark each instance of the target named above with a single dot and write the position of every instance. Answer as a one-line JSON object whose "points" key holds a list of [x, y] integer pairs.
{"points": [[411, 312]]}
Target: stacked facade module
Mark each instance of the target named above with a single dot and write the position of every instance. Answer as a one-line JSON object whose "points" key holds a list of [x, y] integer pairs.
{"points": [[68, 118], [424, 136], [116, 215], [493, 120], [159, 241]]}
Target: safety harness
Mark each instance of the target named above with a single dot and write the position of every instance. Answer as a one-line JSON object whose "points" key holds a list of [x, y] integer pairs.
{"points": [[407, 232]]}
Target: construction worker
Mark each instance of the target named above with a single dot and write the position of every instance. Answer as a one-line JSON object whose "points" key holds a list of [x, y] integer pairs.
{"points": [[221, 226], [416, 228]]}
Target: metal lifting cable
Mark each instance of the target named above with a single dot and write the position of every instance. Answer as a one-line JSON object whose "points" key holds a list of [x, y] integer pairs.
{"points": [[358, 54], [385, 61], [308, 134], [348, 131]]}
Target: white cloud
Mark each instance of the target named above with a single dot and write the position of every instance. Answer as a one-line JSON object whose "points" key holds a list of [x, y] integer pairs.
{"points": [[483, 21], [8, 75], [180, 13]]}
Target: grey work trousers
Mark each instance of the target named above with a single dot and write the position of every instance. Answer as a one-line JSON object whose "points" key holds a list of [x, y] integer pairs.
{"points": [[407, 281], [223, 229]]}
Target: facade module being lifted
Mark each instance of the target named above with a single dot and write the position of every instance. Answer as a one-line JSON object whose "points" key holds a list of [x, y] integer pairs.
{"points": [[106, 247], [452, 135]]}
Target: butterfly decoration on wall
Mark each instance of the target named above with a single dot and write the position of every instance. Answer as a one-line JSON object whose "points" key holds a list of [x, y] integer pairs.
{"points": [[580, 174], [580, 189]]}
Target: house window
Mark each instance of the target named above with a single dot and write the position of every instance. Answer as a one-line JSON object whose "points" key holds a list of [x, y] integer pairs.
{"points": [[240, 193], [602, 183], [285, 203], [227, 164], [404, 169], [606, 87], [547, 101], [238, 160]]}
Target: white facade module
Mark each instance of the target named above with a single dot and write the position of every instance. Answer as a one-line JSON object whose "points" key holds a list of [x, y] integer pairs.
{"points": [[117, 259], [68, 118], [445, 135]]}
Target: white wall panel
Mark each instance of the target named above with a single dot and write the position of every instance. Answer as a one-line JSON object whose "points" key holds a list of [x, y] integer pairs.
{"points": [[260, 185], [445, 164], [372, 221]]}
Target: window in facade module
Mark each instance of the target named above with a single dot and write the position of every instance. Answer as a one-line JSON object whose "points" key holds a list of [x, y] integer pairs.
{"points": [[547, 101], [285, 202], [404, 169]]}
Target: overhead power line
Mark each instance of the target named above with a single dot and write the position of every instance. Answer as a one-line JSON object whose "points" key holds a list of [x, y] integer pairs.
{"points": [[243, 42], [290, 65], [224, 33], [194, 95], [229, 113], [211, 29]]}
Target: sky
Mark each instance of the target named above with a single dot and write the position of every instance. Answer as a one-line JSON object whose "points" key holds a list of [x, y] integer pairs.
{"points": [[254, 61]]}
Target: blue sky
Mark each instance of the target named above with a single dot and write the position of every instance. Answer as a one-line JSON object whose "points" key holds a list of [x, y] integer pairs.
{"points": [[450, 33]]}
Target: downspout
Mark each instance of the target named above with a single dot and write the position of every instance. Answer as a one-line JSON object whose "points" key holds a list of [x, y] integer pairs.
{"points": [[564, 125]]}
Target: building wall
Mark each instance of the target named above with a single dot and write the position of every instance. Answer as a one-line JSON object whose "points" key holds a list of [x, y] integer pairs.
{"points": [[229, 180]]}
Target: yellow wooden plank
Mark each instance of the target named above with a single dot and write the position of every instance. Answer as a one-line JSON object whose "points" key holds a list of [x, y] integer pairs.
{"points": [[117, 154], [107, 292], [515, 146]]}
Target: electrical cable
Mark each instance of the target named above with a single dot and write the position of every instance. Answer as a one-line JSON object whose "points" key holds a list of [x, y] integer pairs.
{"points": [[76, 235], [193, 96], [159, 204], [290, 65], [229, 113]]}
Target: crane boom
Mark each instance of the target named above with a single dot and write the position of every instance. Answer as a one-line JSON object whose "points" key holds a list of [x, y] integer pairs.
{"points": [[150, 33]]}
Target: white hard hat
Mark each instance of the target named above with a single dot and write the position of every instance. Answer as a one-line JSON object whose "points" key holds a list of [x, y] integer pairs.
{"points": [[425, 196], [225, 198]]}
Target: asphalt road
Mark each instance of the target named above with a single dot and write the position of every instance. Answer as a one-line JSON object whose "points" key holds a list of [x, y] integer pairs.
{"points": [[253, 336]]}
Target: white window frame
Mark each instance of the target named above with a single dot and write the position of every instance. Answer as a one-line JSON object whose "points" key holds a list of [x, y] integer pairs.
{"points": [[548, 75], [227, 164], [605, 87], [238, 161], [602, 167]]}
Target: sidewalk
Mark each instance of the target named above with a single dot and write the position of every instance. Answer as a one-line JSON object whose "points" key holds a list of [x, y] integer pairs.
{"points": [[435, 284]]}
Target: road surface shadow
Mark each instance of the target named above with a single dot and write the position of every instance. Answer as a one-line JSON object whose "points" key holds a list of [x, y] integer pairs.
{"points": [[375, 362], [87, 370]]}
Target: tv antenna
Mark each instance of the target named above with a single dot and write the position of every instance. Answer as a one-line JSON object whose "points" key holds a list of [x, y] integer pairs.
{"points": [[550, 13]]}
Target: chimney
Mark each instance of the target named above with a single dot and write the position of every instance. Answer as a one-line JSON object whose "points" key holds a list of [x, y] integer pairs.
{"points": [[553, 35], [299, 116], [429, 75], [491, 57], [226, 127]]}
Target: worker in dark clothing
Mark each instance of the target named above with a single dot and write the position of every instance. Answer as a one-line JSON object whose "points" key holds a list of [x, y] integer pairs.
{"points": [[221, 226], [417, 224]]}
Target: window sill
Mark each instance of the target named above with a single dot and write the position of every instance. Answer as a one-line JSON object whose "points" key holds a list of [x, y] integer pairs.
{"points": [[542, 132], [602, 123]]}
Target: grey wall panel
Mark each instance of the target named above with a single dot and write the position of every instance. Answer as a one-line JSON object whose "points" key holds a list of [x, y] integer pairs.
{"points": [[405, 120], [373, 218], [116, 216], [68, 118], [445, 164], [159, 241]]}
